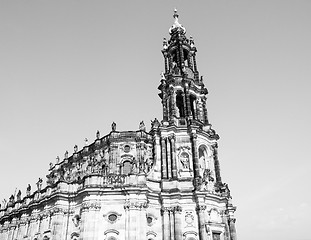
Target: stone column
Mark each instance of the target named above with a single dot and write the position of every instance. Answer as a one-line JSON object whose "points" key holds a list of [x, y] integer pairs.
{"points": [[173, 151], [227, 229], [189, 113], [172, 102], [164, 163], [13, 229], [10, 230], [201, 221], [194, 63], [138, 151], [170, 63], [178, 221], [58, 224], [195, 112], [165, 211], [127, 220], [172, 223], [205, 112], [196, 165], [27, 228], [184, 103], [89, 214], [165, 114], [190, 64], [32, 226], [232, 228], [133, 223], [168, 157], [142, 219], [165, 63], [216, 162], [157, 153], [21, 229]]}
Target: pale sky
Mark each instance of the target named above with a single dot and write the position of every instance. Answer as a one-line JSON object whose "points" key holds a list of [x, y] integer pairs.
{"points": [[70, 68]]}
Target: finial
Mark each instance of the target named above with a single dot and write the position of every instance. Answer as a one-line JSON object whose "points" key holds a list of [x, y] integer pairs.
{"points": [[191, 42], [97, 134], [57, 159], [162, 76], [75, 148], [164, 43], [176, 23], [86, 141], [175, 14]]}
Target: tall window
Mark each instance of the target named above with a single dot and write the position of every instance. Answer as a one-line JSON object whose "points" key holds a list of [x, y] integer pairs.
{"points": [[193, 106], [127, 168], [180, 105]]}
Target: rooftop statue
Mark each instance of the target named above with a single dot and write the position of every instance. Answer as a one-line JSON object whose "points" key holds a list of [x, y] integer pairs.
{"points": [[113, 126], [142, 126], [39, 184], [28, 190]]}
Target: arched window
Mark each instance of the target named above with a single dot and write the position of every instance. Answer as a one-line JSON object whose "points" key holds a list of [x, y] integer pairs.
{"points": [[193, 106], [112, 238], [180, 105], [127, 167]]}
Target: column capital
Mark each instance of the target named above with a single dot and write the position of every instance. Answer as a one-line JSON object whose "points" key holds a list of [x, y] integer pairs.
{"points": [[201, 208], [172, 137]]}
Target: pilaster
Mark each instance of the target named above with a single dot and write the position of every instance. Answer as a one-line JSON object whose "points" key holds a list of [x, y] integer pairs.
{"points": [[164, 162]]}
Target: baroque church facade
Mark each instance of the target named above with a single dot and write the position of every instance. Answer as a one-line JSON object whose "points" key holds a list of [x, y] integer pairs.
{"points": [[164, 184]]}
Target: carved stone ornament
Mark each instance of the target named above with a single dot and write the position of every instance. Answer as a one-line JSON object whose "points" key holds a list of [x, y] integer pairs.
{"points": [[189, 219], [135, 205], [88, 206], [201, 208], [150, 219]]}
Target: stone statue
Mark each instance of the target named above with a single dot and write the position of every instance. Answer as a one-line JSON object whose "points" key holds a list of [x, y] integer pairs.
{"points": [[57, 159], [18, 196], [97, 134], [28, 190], [51, 165], [11, 199], [75, 148], [113, 126], [76, 220], [155, 123], [207, 175], [66, 154], [86, 142], [142, 126], [4, 201], [184, 159], [39, 184], [177, 112]]}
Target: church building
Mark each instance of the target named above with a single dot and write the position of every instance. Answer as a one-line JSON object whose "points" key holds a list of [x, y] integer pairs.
{"points": [[164, 184]]}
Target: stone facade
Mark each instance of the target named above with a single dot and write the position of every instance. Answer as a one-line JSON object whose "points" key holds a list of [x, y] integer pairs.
{"points": [[137, 185]]}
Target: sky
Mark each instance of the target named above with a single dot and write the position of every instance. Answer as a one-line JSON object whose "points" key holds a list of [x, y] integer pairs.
{"points": [[70, 68]]}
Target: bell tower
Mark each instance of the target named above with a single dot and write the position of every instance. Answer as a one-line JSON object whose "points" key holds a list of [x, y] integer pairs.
{"points": [[186, 150], [183, 92]]}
